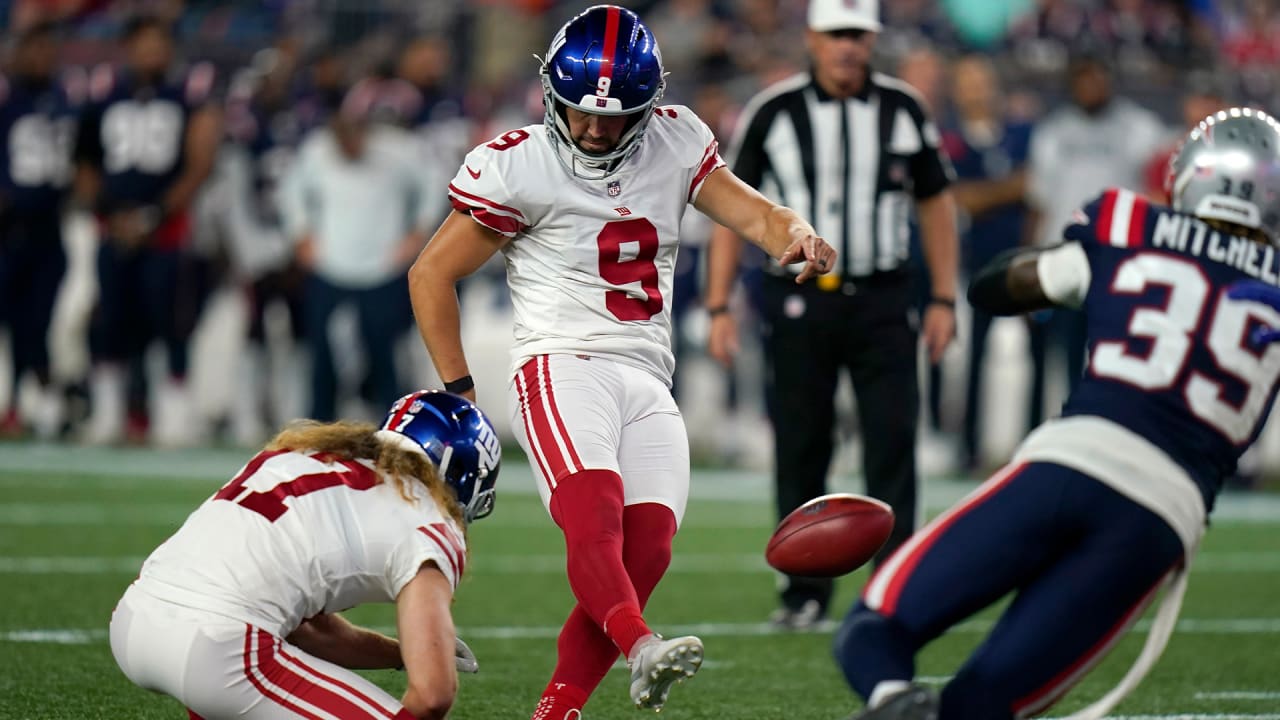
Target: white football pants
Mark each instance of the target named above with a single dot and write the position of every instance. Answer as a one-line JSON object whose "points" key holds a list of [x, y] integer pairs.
{"points": [[223, 668]]}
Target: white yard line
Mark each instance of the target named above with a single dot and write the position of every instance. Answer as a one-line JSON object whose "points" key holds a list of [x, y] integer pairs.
{"points": [[553, 563], [136, 467], [1193, 717], [1238, 695], [1189, 626]]}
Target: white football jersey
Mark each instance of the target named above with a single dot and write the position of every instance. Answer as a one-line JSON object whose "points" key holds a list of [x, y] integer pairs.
{"points": [[294, 535], [591, 262]]}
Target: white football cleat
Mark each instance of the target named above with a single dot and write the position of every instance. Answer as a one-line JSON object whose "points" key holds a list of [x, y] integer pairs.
{"points": [[657, 664]]}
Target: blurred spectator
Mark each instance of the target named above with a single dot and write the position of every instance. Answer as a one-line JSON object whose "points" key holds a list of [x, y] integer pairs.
{"points": [[1096, 142], [695, 41], [348, 203], [989, 152], [263, 133], [1202, 96], [37, 122], [146, 143], [765, 42], [424, 63], [1251, 46], [922, 69], [321, 86], [435, 115]]}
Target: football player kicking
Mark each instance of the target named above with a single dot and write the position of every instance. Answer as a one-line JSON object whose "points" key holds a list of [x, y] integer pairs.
{"points": [[235, 615], [586, 210], [1104, 506]]}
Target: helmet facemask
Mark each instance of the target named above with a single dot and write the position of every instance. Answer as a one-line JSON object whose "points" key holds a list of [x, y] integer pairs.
{"points": [[581, 163]]}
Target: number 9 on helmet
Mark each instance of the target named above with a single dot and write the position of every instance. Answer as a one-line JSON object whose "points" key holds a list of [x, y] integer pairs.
{"points": [[604, 62], [452, 432]]}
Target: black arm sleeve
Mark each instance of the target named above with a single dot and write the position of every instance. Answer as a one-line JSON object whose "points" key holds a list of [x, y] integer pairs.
{"points": [[1005, 286]]}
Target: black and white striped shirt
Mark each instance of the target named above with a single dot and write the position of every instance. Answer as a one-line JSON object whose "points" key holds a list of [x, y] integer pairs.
{"points": [[851, 167]]}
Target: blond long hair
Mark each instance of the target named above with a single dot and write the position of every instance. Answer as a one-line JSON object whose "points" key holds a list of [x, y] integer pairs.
{"points": [[356, 441]]}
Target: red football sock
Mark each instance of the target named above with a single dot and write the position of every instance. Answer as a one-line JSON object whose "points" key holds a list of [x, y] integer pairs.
{"points": [[588, 508], [558, 700], [647, 530], [584, 654]]}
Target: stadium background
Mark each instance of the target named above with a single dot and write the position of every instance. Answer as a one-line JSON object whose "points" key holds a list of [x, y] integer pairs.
{"points": [[476, 78], [75, 521]]}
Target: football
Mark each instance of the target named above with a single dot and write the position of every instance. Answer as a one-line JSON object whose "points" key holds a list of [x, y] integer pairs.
{"points": [[829, 535]]}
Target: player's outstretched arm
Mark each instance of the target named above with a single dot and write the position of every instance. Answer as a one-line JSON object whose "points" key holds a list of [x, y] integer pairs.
{"points": [[1009, 284], [778, 230], [334, 638], [458, 249], [427, 643]]}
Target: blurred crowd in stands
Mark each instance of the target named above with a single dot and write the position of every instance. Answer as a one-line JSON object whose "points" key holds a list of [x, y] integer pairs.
{"points": [[304, 90]]}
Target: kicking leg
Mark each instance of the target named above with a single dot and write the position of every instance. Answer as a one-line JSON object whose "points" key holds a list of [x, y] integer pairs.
{"points": [[585, 653]]}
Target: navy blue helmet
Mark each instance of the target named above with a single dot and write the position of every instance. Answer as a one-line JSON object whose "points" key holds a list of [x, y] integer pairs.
{"points": [[606, 62], [458, 439]]}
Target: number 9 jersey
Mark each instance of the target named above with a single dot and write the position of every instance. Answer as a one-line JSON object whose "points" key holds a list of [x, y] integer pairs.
{"points": [[591, 262], [1174, 390]]}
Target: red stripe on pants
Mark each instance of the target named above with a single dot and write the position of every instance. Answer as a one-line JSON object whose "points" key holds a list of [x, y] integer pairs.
{"points": [[555, 414], [249, 672], [917, 547]]}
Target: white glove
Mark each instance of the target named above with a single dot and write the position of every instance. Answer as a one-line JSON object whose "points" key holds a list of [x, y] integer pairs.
{"points": [[464, 659]]}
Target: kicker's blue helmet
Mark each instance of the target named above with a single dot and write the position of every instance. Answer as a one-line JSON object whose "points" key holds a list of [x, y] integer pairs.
{"points": [[604, 61], [458, 439]]}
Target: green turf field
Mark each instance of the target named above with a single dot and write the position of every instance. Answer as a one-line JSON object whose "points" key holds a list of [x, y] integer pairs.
{"points": [[73, 534]]}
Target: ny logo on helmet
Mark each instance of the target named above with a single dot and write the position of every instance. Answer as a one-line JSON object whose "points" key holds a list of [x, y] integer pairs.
{"points": [[487, 447]]}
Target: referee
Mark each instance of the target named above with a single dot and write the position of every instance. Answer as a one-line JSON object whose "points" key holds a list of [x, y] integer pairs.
{"points": [[849, 149]]}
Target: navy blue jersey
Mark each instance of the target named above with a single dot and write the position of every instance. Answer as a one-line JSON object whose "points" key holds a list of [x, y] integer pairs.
{"points": [[1169, 353], [999, 229], [37, 124], [271, 138], [134, 133]]}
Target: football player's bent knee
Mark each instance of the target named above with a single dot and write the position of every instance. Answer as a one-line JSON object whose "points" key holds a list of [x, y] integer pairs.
{"points": [[871, 648]]}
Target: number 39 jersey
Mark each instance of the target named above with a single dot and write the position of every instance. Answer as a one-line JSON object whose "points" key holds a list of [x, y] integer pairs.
{"points": [[1169, 354], [591, 262], [294, 535]]}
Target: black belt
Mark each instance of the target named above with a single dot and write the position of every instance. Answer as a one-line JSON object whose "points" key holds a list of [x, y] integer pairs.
{"points": [[832, 282]]}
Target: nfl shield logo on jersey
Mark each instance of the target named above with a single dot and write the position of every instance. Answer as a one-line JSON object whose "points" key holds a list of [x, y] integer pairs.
{"points": [[615, 188]]}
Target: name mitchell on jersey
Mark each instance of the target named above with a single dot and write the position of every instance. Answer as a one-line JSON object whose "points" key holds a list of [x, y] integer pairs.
{"points": [[1187, 234]]}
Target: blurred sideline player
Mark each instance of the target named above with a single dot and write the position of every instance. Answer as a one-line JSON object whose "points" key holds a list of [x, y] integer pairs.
{"points": [[145, 144], [1102, 507], [263, 133], [586, 209], [235, 615], [37, 122]]}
